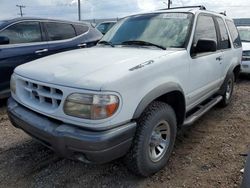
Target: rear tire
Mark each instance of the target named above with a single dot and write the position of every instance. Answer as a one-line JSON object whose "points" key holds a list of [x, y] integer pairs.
{"points": [[154, 140], [228, 89]]}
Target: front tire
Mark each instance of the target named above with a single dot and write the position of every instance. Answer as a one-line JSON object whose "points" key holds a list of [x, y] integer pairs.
{"points": [[228, 89], [154, 140]]}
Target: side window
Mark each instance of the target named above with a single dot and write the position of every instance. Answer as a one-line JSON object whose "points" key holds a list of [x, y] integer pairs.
{"points": [[103, 27], [224, 37], [60, 31], [234, 34], [205, 29], [80, 29], [23, 32]]}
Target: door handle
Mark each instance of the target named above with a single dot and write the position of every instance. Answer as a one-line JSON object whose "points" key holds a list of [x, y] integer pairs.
{"points": [[41, 51], [82, 45], [219, 58]]}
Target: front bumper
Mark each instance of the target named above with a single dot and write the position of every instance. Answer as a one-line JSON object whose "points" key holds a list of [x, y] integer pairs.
{"points": [[70, 141]]}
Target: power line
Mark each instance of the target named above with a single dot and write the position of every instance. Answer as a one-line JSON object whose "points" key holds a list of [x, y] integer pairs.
{"points": [[21, 9]]}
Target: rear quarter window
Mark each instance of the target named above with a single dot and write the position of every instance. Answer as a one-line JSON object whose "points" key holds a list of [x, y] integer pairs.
{"points": [[234, 34], [81, 29], [60, 31]]}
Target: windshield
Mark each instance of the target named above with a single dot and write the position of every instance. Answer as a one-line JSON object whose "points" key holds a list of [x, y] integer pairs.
{"points": [[162, 29], [244, 33]]}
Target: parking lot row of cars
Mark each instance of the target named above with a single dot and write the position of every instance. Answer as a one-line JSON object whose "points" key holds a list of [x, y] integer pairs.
{"points": [[151, 74]]}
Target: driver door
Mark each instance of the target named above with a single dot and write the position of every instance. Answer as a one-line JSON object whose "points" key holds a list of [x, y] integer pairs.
{"points": [[205, 68]]}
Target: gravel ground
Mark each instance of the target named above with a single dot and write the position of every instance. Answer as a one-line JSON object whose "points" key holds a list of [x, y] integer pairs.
{"points": [[210, 153]]}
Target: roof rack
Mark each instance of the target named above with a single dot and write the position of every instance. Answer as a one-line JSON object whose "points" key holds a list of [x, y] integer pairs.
{"points": [[201, 7], [223, 13]]}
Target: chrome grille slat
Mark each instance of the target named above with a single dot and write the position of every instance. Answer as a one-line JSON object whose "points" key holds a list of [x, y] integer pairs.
{"points": [[41, 94], [44, 94]]}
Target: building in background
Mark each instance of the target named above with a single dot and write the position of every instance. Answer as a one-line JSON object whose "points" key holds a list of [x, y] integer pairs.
{"points": [[242, 21]]}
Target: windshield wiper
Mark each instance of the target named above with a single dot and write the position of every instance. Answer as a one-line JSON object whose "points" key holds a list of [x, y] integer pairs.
{"points": [[106, 43], [142, 43]]}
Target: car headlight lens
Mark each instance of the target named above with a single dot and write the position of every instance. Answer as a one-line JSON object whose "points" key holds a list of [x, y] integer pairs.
{"points": [[13, 84], [91, 106]]}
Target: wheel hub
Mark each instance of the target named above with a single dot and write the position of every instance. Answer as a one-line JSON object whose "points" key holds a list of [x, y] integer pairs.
{"points": [[159, 141], [155, 140], [229, 90]]}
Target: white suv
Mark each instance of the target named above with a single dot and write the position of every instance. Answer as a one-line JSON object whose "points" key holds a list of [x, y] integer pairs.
{"points": [[150, 74], [244, 32]]}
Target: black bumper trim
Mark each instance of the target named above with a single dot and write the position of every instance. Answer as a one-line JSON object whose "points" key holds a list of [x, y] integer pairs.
{"points": [[70, 141], [4, 94]]}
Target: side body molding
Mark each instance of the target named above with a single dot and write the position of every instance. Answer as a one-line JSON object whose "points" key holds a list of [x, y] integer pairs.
{"points": [[229, 72]]}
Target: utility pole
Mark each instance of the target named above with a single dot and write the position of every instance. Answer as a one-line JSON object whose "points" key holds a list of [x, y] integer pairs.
{"points": [[168, 4], [21, 9], [79, 10]]}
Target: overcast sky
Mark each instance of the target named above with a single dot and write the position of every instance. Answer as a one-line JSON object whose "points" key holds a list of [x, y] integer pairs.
{"points": [[67, 9]]}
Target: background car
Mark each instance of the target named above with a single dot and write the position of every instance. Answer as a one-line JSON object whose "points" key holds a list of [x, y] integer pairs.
{"points": [[26, 39], [245, 38], [104, 27]]}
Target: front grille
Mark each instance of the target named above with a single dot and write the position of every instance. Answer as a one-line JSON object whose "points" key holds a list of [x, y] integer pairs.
{"points": [[39, 94], [245, 58]]}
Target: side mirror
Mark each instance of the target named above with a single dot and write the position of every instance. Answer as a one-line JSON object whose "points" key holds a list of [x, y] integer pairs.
{"points": [[4, 40], [205, 45]]}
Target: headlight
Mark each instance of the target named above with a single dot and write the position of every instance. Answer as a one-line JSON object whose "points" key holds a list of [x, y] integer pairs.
{"points": [[13, 84], [90, 106]]}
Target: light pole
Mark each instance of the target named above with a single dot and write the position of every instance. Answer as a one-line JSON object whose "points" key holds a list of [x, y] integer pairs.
{"points": [[79, 10], [169, 3]]}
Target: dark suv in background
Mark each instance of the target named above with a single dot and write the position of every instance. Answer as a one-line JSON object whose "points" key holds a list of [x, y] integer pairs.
{"points": [[26, 39]]}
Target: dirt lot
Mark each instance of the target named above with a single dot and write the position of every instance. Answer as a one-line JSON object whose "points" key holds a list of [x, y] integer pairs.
{"points": [[208, 154]]}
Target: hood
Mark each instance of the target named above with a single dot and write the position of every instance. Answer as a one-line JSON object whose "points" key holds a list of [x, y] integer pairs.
{"points": [[87, 68], [246, 46]]}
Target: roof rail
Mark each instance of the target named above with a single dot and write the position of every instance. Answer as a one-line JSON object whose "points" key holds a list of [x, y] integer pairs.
{"points": [[201, 7], [223, 13]]}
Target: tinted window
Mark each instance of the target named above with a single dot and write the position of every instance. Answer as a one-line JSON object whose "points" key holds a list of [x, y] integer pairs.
{"points": [[165, 29], [60, 31], [224, 39], [234, 34], [205, 29], [24, 32], [80, 29]]}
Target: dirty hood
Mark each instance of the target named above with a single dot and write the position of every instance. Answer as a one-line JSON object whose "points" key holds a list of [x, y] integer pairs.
{"points": [[88, 68]]}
